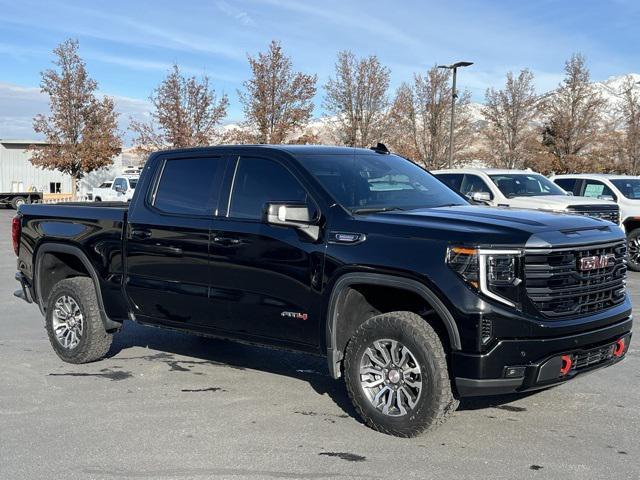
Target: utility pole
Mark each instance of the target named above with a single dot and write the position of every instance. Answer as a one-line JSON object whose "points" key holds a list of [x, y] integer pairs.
{"points": [[454, 96]]}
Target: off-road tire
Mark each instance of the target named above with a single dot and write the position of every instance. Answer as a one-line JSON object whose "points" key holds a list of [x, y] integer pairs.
{"points": [[436, 402], [95, 341]]}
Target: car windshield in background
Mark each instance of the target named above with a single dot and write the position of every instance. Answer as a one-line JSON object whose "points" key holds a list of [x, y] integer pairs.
{"points": [[629, 187], [525, 185], [367, 183]]}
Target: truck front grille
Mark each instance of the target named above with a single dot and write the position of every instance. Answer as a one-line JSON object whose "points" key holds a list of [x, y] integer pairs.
{"points": [[604, 212], [557, 288]]}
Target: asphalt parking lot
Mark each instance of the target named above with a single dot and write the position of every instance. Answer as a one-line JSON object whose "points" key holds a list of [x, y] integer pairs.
{"points": [[166, 405]]}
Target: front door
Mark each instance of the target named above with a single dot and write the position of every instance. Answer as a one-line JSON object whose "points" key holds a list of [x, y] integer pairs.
{"points": [[168, 244], [268, 274]]}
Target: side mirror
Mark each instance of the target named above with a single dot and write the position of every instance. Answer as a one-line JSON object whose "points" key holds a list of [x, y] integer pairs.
{"points": [[293, 215], [570, 194], [481, 197], [606, 197]]}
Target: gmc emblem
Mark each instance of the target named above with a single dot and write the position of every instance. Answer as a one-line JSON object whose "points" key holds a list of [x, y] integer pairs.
{"points": [[592, 263]]}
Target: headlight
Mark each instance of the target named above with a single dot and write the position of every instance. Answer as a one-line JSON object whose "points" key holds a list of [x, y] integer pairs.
{"points": [[495, 273]]}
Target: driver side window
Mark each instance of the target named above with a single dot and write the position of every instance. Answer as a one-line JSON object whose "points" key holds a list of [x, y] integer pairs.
{"points": [[472, 184], [258, 181]]}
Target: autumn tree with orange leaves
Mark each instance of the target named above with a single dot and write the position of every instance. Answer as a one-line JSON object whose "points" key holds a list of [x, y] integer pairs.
{"points": [[186, 113], [277, 101], [81, 131]]}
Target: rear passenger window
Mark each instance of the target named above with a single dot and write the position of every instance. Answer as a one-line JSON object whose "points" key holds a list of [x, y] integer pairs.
{"points": [[189, 186], [259, 181], [451, 180], [567, 184]]}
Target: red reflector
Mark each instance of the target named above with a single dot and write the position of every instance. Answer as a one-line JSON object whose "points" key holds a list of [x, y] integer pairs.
{"points": [[16, 228], [618, 350], [567, 363]]}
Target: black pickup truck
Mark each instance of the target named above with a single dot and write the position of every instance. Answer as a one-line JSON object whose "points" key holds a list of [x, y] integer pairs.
{"points": [[416, 297]]}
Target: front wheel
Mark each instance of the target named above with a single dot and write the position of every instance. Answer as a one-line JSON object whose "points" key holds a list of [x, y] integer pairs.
{"points": [[396, 375], [73, 322], [633, 250]]}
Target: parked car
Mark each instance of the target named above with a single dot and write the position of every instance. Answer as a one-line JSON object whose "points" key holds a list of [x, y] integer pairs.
{"points": [[120, 189], [414, 296], [622, 189], [524, 189]]}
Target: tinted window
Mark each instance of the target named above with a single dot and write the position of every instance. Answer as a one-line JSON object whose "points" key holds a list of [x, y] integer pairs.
{"points": [[596, 189], [525, 185], [373, 181], [567, 184], [120, 183], [259, 181], [451, 180], [630, 187], [133, 182], [105, 185], [473, 184], [189, 186]]}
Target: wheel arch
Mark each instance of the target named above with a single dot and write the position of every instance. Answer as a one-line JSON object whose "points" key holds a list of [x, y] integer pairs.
{"points": [[77, 254], [342, 286]]}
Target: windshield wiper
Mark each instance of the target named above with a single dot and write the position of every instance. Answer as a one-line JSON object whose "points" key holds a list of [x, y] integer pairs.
{"points": [[374, 209]]}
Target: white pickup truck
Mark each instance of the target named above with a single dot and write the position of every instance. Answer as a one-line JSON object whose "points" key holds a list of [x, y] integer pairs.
{"points": [[622, 189], [119, 190], [524, 189]]}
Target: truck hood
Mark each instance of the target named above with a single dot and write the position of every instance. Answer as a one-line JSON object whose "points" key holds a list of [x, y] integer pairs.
{"points": [[554, 202], [501, 226]]}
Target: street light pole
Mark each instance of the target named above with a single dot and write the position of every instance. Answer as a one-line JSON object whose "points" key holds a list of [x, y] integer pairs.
{"points": [[454, 96]]}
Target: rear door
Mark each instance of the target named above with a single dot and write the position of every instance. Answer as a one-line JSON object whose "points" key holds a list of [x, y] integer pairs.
{"points": [[267, 274], [168, 243]]}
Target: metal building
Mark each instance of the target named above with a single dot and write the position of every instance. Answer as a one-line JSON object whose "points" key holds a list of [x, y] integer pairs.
{"points": [[17, 174]]}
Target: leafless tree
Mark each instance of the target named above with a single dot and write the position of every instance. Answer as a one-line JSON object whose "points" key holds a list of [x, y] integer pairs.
{"points": [[628, 117], [572, 115], [509, 113], [186, 113], [357, 99], [420, 119], [81, 130], [277, 101]]}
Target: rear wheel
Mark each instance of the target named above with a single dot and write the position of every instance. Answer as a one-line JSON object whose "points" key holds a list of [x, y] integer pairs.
{"points": [[73, 322], [633, 250], [97, 199], [17, 202], [396, 375]]}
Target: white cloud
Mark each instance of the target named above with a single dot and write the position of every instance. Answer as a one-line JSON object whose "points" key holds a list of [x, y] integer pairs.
{"points": [[243, 17], [18, 106]]}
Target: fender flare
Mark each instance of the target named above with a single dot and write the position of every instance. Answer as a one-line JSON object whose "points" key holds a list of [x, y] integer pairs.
{"points": [[334, 355], [80, 255]]}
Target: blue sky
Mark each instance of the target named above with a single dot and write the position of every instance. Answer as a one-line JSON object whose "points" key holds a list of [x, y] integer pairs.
{"points": [[129, 45]]}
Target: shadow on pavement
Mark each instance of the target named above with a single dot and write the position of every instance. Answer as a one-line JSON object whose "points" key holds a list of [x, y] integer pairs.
{"points": [[212, 351]]}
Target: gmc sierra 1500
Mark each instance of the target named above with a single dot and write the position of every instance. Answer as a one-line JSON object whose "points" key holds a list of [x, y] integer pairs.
{"points": [[416, 297]]}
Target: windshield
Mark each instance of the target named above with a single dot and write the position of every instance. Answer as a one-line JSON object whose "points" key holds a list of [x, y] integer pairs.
{"points": [[629, 187], [375, 182], [525, 185]]}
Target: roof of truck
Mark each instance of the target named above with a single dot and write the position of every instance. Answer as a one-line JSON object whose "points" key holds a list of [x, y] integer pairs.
{"points": [[608, 176], [488, 171], [292, 149]]}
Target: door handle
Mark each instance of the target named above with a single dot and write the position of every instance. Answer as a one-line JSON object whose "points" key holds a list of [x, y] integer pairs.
{"points": [[226, 241], [140, 234]]}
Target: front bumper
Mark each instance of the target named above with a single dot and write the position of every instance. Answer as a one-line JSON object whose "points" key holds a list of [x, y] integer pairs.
{"points": [[537, 362]]}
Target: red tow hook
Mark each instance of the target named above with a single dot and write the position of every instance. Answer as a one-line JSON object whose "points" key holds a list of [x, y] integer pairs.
{"points": [[567, 363], [618, 350]]}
